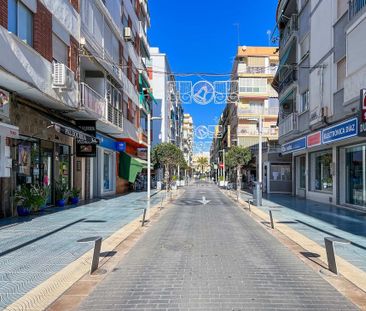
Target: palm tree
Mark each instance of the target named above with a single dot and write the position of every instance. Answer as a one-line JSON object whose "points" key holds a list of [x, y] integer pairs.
{"points": [[202, 163]]}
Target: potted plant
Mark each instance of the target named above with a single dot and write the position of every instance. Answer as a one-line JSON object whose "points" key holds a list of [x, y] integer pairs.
{"points": [[44, 194], [24, 200], [62, 192], [74, 196]]}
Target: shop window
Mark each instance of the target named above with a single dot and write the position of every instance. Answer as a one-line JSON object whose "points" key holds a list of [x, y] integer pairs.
{"points": [[280, 172], [20, 21], [321, 171], [64, 164], [302, 170], [27, 154], [355, 175], [107, 171]]}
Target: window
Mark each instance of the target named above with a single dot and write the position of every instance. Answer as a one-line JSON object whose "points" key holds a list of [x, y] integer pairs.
{"points": [[342, 7], [59, 50], [341, 73], [252, 85], [302, 172], [304, 103], [20, 21], [107, 171], [256, 61], [320, 168]]}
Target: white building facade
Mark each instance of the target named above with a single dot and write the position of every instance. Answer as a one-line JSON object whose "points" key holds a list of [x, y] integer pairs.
{"points": [[322, 71]]}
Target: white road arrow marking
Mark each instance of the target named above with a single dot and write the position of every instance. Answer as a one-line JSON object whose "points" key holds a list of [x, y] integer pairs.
{"points": [[204, 201]]}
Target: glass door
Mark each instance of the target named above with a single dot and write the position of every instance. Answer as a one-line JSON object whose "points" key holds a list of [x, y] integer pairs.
{"points": [[46, 172]]}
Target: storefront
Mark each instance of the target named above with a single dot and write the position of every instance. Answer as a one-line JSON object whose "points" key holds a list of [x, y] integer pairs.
{"points": [[104, 178], [330, 165]]}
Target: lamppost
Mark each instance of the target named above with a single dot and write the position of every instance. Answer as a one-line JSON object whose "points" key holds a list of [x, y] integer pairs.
{"points": [[223, 162], [149, 119]]}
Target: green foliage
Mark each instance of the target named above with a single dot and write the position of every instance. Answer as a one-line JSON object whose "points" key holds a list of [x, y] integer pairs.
{"points": [[32, 197], [62, 190], [167, 154], [74, 193], [174, 178], [238, 156]]}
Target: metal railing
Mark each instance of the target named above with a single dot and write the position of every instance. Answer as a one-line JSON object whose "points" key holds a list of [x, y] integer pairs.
{"points": [[244, 68], [288, 124], [259, 111], [288, 79], [267, 131], [290, 28], [355, 6], [91, 100]]}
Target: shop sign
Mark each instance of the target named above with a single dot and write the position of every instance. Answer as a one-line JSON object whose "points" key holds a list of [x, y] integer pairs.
{"points": [[314, 139], [142, 153], [120, 146], [294, 145], [344, 130], [362, 129], [106, 142], [84, 148], [4, 103]]}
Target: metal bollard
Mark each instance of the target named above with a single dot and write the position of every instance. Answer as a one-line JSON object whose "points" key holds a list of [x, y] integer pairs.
{"points": [[271, 219], [249, 201], [329, 247], [143, 218], [96, 253]]}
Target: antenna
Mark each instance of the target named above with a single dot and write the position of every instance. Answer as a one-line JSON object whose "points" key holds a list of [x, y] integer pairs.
{"points": [[269, 34]]}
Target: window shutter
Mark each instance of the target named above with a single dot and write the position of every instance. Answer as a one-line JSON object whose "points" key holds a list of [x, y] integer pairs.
{"points": [[73, 55], [256, 61]]}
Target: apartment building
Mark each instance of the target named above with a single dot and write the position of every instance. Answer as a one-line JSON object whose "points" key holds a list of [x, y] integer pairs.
{"points": [[168, 106], [321, 74], [187, 140], [255, 103], [72, 88]]}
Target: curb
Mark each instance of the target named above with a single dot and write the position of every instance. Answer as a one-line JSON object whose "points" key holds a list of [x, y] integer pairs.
{"points": [[347, 270], [45, 294]]}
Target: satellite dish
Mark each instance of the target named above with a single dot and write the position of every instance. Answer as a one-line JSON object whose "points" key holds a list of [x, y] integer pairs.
{"points": [[244, 47]]}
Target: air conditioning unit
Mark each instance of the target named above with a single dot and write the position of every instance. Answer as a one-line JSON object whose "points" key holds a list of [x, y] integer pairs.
{"points": [[62, 77], [127, 34]]}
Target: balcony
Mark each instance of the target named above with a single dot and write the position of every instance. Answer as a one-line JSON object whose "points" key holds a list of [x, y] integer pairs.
{"points": [[244, 69], [250, 131], [143, 36], [289, 77], [290, 28], [92, 101], [354, 7], [288, 124], [258, 111]]}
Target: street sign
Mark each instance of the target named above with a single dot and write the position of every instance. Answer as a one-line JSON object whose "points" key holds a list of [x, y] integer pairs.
{"points": [[221, 165], [215, 166]]}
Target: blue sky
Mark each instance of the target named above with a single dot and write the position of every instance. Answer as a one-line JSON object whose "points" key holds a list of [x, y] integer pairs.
{"points": [[201, 36]]}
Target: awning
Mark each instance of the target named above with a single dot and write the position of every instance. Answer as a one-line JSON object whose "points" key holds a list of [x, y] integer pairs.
{"points": [[74, 132], [8, 130], [130, 166], [284, 57]]}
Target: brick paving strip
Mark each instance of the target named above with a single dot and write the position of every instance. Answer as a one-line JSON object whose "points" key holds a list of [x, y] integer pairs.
{"points": [[209, 257], [351, 280], [42, 296]]}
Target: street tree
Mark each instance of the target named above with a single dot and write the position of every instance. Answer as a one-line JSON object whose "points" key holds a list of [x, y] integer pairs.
{"points": [[168, 156], [238, 157], [202, 163]]}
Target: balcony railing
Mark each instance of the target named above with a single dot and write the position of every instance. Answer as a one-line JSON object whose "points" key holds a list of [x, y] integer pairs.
{"points": [[288, 124], [243, 68], [355, 6], [290, 29], [285, 81], [266, 131], [258, 111], [92, 101]]}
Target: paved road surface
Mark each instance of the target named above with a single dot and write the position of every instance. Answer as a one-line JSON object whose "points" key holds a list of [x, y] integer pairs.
{"points": [[211, 257]]}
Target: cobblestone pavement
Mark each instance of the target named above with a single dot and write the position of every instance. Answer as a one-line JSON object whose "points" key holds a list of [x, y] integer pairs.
{"points": [[211, 257], [318, 220], [34, 248]]}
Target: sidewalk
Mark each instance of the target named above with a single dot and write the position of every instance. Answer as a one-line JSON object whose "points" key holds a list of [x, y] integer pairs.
{"points": [[32, 249], [318, 220]]}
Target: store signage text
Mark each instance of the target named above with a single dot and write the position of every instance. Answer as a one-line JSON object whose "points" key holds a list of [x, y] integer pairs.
{"points": [[87, 149], [120, 146], [340, 131], [294, 145], [314, 139]]}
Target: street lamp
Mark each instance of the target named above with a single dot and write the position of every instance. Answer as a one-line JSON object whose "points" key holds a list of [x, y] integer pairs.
{"points": [[149, 119], [223, 161]]}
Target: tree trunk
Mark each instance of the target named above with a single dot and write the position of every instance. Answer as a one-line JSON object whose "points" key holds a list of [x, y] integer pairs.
{"points": [[166, 180], [238, 179]]}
